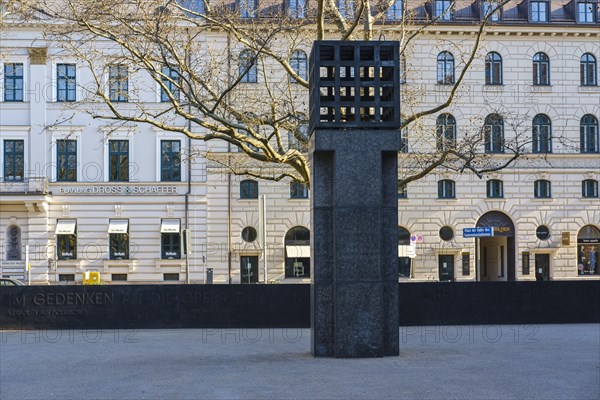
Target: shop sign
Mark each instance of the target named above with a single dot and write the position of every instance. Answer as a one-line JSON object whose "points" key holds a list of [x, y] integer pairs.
{"points": [[588, 241], [566, 238], [117, 190]]}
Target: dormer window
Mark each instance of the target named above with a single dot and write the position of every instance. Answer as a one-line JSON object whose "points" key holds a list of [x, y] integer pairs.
{"points": [[491, 7], [586, 11], [539, 11], [442, 10]]}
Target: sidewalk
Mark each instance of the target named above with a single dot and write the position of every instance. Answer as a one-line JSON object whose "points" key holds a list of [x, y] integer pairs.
{"points": [[442, 362]]}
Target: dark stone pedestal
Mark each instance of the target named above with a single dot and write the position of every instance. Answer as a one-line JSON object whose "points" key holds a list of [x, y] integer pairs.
{"points": [[354, 260]]}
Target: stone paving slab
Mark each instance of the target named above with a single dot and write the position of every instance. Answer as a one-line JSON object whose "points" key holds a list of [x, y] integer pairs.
{"points": [[439, 362]]}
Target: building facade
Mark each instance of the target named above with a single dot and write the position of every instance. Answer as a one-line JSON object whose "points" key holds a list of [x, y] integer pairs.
{"points": [[141, 205]]}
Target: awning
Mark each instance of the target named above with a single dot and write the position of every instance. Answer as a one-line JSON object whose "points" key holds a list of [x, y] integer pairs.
{"points": [[297, 251], [118, 226], [65, 226], [170, 226]]}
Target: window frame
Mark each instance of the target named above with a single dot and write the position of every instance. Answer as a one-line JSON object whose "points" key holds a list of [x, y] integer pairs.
{"points": [[542, 185], [443, 10], [487, 6], [119, 175], [347, 9], [15, 78], [494, 134], [592, 13], [248, 189], [299, 64], [248, 8], [14, 154], [446, 133], [69, 93], [536, 143], [70, 245], [589, 189], [298, 190], [297, 8], [170, 242], [170, 155], [171, 78], [403, 191], [540, 61], [491, 63], [118, 83], [446, 189], [118, 242], [538, 12], [13, 249], [395, 13], [69, 166], [251, 76], [588, 67], [494, 189], [446, 64], [589, 132]]}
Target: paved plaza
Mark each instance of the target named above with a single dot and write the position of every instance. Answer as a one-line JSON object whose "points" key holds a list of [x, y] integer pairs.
{"points": [[441, 362]]}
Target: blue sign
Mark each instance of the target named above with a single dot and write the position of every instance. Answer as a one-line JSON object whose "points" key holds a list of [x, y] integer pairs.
{"points": [[478, 232]]}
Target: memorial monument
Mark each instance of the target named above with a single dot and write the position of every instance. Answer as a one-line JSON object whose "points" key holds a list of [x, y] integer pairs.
{"points": [[354, 144]]}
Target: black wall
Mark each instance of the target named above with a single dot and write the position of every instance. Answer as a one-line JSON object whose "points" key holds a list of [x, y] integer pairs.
{"points": [[287, 306]]}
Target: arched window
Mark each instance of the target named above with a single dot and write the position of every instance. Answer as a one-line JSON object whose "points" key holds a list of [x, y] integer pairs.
{"points": [[248, 69], [299, 64], [445, 68], [588, 130], [588, 250], [297, 253], [494, 134], [446, 189], [13, 243], [588, 70], [404, 260], [541, 69], [542, 134], [493, 69], [446, 132], [248, 189]]}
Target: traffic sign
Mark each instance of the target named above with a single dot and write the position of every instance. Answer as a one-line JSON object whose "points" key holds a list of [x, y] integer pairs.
{"points": [[419, 238], [413, 238], [478, 232]]}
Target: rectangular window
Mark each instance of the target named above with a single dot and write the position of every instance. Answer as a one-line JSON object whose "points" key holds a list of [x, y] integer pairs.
{"points": [[170, 246], [298, 190], [118, 160], [13, 82], [495, 189], [66, 277], [14, 160], [65, 82], [589, 188], [490, 6], [170, 80], [170, 160], [542, 189], [525, 257], [394, 12], [402, 192], [446, 189], [118, 83], [443, 10], [118, 277], [297, 8], [248, 8], [171, 277], [118, 232], [66, 247], [66, 160], [586, 11], [539, 11]]}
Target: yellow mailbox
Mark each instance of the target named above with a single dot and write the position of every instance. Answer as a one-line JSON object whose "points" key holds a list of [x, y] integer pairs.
{"points": [[91, 278]]}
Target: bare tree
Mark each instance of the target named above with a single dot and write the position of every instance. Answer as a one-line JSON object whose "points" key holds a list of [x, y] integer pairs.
{"points": [[202, 55]]}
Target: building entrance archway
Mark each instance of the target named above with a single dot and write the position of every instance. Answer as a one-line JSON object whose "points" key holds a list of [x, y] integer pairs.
{"points": [[496, 254]]}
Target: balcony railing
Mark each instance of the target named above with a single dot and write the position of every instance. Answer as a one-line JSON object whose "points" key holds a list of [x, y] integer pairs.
{"points": [[30, 185]]}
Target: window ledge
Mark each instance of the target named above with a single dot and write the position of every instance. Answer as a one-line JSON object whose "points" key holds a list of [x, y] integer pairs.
{"points": [[454, 199], [159, 262], [541, 88], [130, 263], [543, 199], [495, 199], [589, 89]]}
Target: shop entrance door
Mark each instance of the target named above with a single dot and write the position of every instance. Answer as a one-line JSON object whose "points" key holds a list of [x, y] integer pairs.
{"points": [[446, 266], [542, 267], [249, 269]]}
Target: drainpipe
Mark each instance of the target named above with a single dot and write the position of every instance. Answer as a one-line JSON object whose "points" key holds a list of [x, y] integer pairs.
{"points": [[229, 175], [187, 194]]}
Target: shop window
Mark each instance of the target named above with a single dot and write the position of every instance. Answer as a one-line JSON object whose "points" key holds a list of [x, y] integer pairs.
{"points": [[248, 189], [589, 188], [118, 232], [588, 70], [14, 160], [170, 231], [66, 160], [404, 261], [445, 68], [170, 78], [542, 189], [446, 189], [493, 69], [495, 189], [445, 132], [298, 190], [588, 132], [13, 82], [66, 239], [541, 134], [118, 160], [297, 253], [66, 80], [13, 243], [541, 69], [118, 83], [588, 251], [170, 160]]}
